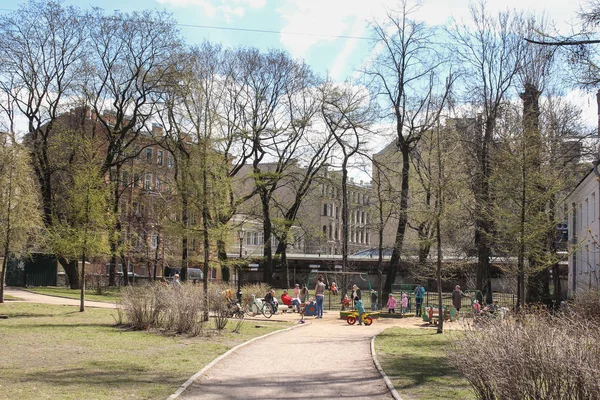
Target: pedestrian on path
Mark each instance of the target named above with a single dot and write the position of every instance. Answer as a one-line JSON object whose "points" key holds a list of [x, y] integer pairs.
{"points": [[320, 296]]}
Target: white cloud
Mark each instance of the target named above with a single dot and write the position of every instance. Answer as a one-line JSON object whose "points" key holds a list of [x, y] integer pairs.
{"points": [[229, 9]]}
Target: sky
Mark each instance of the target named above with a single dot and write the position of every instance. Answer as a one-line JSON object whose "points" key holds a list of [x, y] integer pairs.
{"points": [[332, 36], [308, 29]]}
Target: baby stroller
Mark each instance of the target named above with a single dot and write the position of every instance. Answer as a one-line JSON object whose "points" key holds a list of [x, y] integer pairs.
{"points": [[234, 309]]}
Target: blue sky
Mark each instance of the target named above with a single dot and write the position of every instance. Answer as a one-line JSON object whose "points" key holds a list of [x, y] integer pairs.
{"points": [[338, 57]]}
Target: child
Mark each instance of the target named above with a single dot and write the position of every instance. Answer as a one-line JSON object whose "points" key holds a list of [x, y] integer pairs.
{"points": [[391, 304], [334, 289], [404, 303], [345, 302], [476, 307], [358, 305]]}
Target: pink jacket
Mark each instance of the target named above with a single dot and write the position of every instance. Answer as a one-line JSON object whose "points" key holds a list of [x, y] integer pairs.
{"points": [[392, 302], [404, 301]]}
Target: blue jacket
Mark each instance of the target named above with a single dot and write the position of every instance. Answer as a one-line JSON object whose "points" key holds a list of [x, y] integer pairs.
{"points": [[420, 293], [359, 306]]}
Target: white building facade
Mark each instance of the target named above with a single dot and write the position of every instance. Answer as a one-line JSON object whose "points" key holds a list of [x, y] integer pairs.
{"points": [[584, 230]]}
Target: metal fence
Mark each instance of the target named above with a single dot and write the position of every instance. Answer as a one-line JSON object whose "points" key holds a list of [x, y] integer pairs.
{"points": [[431, 299]]}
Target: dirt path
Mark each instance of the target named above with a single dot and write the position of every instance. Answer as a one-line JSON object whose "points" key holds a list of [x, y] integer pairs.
{"points": [[322, 359], [24, 295]]}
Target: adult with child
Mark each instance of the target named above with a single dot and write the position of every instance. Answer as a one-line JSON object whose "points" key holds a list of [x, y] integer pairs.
{"points": [[419, 296], [288, 301], [320, 295]]}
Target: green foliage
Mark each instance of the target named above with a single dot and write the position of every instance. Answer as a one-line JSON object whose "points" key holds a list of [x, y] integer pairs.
{"points": [[20, 214]]}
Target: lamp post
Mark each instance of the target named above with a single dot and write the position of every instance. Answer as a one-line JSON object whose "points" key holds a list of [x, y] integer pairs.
{"points": [[241, 235]]}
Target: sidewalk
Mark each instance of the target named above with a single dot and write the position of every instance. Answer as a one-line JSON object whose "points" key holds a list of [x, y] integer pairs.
{"points": [[26, 296], [321, 359]]}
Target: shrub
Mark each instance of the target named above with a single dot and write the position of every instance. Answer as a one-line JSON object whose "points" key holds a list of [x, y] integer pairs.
{"points": [[259, 289], [144, 305], [533, 355]]}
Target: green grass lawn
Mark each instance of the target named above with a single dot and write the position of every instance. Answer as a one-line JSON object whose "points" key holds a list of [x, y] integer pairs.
{"points": [[416, 363], [111, 296], [56, 352]]}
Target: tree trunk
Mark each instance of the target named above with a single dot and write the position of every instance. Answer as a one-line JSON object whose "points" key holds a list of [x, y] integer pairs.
{"points": [[394, 265], [267, 250], [71, 270], [82, 294]]}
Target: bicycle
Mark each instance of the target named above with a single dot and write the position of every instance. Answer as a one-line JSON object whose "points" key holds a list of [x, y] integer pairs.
{"points": [[259, 307], [352, 317]]}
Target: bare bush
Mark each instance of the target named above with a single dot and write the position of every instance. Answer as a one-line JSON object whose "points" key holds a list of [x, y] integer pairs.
{"points": [[217, 305], [533, 355], [259, 289], [144, 305]]}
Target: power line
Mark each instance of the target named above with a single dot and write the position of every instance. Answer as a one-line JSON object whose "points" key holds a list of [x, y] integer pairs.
{"points": [[227, 28]]}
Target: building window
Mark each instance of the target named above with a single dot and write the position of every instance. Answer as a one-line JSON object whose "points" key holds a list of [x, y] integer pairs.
{"points": [[249, 238], [148, 181], [158, 185], [159, 157], [325, 230], [154, 240], [325, 209], [170, 161], [149, 155]]}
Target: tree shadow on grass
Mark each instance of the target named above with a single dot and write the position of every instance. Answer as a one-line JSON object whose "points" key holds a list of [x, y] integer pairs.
{"points": [[102, 374]]}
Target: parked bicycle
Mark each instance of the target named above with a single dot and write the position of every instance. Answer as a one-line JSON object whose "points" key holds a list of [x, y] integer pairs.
{"points": [[259, 307]]}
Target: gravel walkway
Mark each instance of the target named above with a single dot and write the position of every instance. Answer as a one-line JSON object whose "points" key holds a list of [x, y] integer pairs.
{"points": [[25, 295], [321, 359]]}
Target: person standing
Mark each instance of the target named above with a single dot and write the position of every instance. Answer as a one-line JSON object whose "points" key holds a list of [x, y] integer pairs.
{"points": [[391, 304], [320, 296], [303, 293], [297, 291], [176, 283], [404, 303], [356, 292], [457, 296], [373, 300], [419, 296]]}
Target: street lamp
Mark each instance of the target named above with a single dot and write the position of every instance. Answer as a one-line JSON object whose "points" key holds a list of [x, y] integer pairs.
{"points": [[241, 235]]}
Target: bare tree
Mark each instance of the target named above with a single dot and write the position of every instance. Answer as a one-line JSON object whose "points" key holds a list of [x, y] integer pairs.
{"points": [[490, 54], [42, 47], [347, 113], [269, 115], [131, 56], [405, 79]]}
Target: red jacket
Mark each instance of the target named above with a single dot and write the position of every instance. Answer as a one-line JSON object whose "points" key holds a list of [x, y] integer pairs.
{"points": [[286, 299]]}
